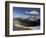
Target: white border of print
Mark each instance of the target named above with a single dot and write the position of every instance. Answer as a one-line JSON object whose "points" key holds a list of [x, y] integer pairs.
{"points": [[11, 32]]}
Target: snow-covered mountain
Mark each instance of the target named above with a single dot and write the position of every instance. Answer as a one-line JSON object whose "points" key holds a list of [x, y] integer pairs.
{"points": [[28, 18]]}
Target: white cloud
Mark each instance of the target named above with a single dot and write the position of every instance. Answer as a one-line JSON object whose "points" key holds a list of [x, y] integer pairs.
{"points": [[32, 12], [26, 12]]}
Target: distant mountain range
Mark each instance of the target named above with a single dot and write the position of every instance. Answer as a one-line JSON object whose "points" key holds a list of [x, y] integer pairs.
{"points": [[29, 18]]}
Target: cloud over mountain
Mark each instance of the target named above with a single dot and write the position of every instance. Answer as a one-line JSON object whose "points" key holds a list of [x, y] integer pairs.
{"points": [[32, 12]]}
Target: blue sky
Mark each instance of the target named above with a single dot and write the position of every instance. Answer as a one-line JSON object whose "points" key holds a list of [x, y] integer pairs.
{"points": [[21, 11]]}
